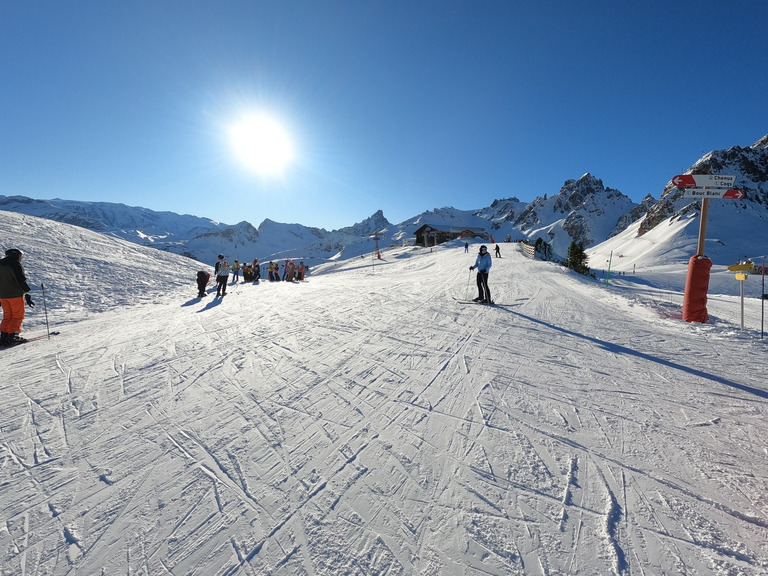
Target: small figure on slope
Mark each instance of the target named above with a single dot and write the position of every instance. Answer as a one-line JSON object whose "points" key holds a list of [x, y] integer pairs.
{"points": [[202, 281]]}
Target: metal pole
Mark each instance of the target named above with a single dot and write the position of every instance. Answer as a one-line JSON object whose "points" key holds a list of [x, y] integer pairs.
{"points": [[703, 226], [608, 276], [762, 309], [741, 282]]}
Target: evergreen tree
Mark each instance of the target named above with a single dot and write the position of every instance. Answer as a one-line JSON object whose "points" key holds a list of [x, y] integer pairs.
{"points": [[577, 258]]}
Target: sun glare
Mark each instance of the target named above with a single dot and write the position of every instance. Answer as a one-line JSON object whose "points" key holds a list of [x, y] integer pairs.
{"points": [[262, 145]]}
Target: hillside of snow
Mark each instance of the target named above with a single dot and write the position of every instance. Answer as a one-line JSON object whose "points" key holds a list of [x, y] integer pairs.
{"points": [[731, 236], [85, 272], [366, 422]]}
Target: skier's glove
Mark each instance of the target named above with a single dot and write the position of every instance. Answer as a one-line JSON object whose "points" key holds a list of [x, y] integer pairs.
{"points": [[28, 299], [471, 267]]}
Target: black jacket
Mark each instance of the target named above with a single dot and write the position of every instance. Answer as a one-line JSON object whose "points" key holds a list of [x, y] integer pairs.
{"points": [[13, 283]]}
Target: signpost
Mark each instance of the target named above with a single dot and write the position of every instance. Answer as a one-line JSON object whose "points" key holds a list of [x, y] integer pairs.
{"points": [[704, 186], [743, 269], [741, 277], [718, 180], [376, 236], [730, 193], [748, 267]]}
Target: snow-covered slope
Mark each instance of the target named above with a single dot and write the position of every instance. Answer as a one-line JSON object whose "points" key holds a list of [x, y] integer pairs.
{"points": [[733, 233], [364, 422], [86, 272]]}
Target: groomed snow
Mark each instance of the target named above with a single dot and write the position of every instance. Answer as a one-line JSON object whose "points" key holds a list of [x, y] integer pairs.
{"points": [[365, 422]]}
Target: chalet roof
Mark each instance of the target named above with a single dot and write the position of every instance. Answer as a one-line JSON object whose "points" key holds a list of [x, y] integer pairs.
{"points": [[450, 229]]}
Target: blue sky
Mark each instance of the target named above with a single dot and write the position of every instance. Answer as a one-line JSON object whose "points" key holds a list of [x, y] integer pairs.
{"points": [[396, 105]]}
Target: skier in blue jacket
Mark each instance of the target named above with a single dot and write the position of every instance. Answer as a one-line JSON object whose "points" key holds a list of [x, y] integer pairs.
{"points": [[483, 266]]}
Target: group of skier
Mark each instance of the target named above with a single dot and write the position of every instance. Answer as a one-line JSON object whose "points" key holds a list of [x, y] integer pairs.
{"points": [[292, 271], [14, 290], [251, 273]]}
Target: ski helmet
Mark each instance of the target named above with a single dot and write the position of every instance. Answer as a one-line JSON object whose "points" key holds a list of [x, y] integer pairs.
{"points": [[483, 248], [14, 253], [220, 256]]}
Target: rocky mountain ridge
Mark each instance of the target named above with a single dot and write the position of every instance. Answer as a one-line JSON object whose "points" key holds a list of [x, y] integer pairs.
{"points": [[749, 165], [583, 210]]}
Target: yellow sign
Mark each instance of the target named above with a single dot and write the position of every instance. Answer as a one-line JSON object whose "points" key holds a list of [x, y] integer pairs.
{"points": [[750, 267], [741, 276]]}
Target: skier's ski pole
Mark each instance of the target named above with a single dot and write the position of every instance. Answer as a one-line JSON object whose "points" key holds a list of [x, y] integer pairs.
{"points": [[45, 309], [468, 280], [762, 310]]}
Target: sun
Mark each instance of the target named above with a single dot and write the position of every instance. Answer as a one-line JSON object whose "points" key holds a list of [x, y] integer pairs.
{"points": [[262, 145]]}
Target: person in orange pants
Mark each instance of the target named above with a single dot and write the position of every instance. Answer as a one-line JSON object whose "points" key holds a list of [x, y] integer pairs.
{"points": [[13, 294]]}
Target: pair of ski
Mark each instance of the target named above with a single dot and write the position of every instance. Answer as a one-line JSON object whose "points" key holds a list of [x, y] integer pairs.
{"points": [[32, 339], [480, 303]]}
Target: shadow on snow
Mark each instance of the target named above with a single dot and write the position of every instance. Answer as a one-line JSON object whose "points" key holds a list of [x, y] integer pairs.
{"points": [[619, 349]]}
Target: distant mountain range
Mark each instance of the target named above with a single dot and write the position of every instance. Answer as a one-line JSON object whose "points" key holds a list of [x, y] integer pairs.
{"points": [[583, 210]]}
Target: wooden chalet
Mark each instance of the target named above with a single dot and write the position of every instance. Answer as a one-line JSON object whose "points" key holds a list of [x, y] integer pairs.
{"points": [[431, 235]]}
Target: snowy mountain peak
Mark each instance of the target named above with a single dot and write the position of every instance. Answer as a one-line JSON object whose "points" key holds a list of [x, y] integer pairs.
{"points": [[374, 223], [584, 210], [762, 143], [575, 193]]}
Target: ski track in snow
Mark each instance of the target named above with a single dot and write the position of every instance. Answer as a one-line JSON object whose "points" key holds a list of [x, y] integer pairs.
{"points": [[362, 422]]}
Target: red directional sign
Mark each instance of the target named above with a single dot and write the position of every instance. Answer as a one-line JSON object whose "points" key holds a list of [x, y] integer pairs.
{"points": [[684, 180], [731, 193]]}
